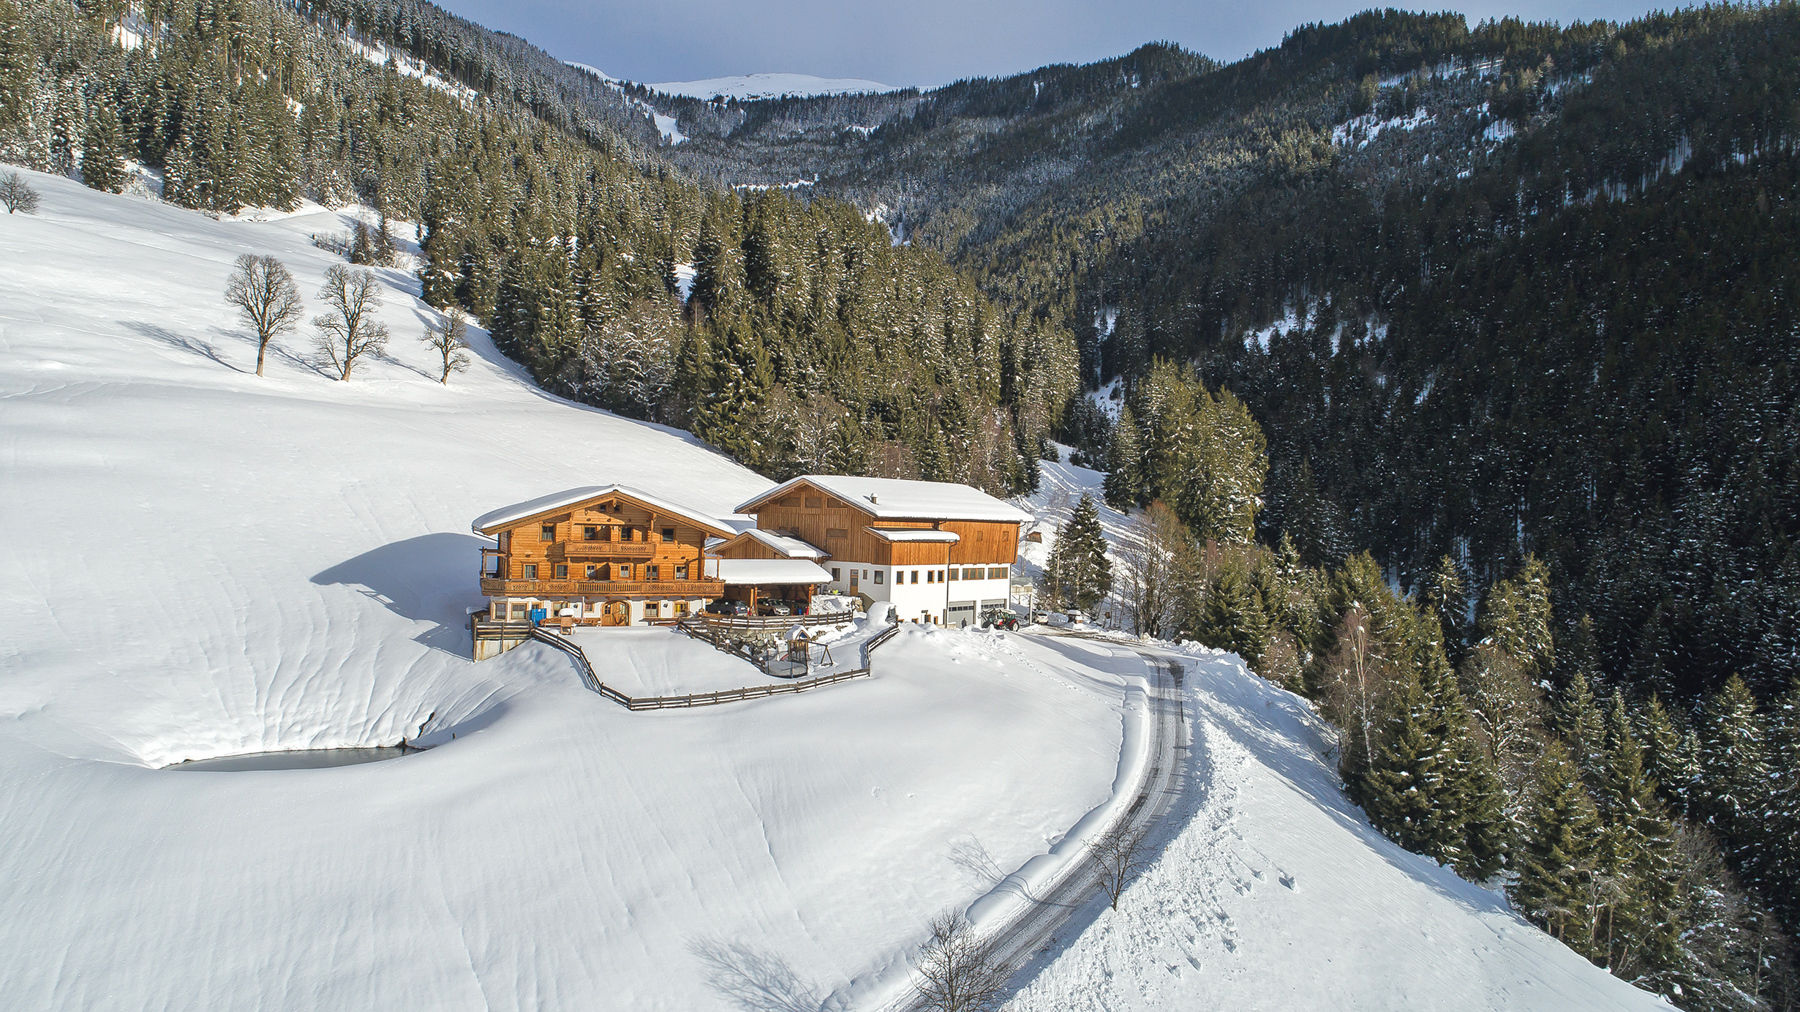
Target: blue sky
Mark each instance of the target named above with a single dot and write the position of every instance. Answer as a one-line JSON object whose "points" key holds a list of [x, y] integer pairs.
{"points": [[919, 42]]}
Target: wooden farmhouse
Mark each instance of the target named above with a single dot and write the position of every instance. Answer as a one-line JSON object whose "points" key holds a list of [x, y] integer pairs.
{"points": [[940, 552], [599, 555], [611, 555]]}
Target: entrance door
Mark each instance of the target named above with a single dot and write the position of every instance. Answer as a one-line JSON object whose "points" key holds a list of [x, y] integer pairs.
{"points": [[615, 613]]}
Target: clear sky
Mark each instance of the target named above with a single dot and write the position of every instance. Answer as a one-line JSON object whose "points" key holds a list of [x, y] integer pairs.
{"points": [[923, 42]]}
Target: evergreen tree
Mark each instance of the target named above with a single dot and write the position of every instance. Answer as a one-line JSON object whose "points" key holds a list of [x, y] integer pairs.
{"points": [[1447, 598], [1124, 461], [1641, 929], [1667, 758], [1581, 725], [1079, 557], [1410, 791], [1556, 858], [1734, 776], [102, 150]]}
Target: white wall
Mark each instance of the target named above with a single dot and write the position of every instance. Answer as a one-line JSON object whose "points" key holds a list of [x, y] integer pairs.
{"points": [[913, 600]]}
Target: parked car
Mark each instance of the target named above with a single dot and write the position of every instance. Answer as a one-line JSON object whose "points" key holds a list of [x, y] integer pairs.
{"points": [[776, 608], [999, 618], [725, 606]]}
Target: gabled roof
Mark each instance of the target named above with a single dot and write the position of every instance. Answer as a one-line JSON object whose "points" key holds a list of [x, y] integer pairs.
{"points": [[781, 544], [901, 499], [560, 502], [766, 571]]}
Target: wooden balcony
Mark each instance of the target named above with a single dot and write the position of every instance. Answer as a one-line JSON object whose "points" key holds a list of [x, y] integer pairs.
{"points": [[494, 587], [603, 550]]}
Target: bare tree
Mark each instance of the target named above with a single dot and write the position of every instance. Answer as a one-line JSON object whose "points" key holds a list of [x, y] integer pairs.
{"points": [[958, 972], [450, 340], [1119, 853], [349, 331], [1155, 564], [267, 300], [17, 194]]}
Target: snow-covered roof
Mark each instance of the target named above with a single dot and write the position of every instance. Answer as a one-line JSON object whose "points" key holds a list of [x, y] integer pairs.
{"points": [[900, 498], [790, 548], [767, 571], [487, 523], [916, 534]]}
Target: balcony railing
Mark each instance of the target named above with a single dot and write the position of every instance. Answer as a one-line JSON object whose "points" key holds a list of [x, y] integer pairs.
{"points": [[603, 549], [495, 587]]}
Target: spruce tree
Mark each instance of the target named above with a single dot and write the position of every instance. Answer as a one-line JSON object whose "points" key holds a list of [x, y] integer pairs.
{"points": [[1124, 463], [1556, 854], [1447, 598], [1642, 931], [1579, 720], [1734, 777], [1409, 792], [1084, 572], [1666, 760], [102, 150]]}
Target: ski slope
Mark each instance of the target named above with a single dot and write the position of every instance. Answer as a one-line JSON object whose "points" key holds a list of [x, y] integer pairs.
{"points": [[203, 563]]}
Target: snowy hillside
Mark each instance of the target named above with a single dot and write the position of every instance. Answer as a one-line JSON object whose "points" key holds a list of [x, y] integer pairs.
{"points": [[205, 563], [750, 86]]}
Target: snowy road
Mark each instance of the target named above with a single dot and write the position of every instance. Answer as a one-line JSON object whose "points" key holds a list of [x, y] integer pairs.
{"points": [[1068, 904]]}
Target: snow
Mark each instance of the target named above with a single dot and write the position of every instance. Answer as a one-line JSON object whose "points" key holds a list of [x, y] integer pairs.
{"points": [[220, 564], [1293, 319], [596, 71], [684, 280], [1361, 131], [791, 548], [911, 535], [767, 571], [666, 126], [899, 498], [753, 86], [206, 563], [408, 66], [1275, 893], [486, 523], [1110, 399]]}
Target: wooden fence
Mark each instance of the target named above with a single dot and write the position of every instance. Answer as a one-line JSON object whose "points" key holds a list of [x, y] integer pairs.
{"points": [[592, 680]]}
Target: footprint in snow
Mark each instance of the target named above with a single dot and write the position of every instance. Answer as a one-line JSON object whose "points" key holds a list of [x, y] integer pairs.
{"points": [[1288, 880]]}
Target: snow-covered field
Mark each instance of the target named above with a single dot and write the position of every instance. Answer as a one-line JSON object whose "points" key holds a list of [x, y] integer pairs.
{"points": [[204, 563]]}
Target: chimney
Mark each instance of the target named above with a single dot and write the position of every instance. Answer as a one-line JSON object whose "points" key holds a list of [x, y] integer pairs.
{"points": [[872, 499]]}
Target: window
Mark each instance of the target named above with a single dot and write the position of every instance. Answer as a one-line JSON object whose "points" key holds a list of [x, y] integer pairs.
{"points": [[956, 574], [878, 576], [624, 570], [590, 533], [813, 502], [652, 572], [562, 571], [853, 576], [915, 578], [837, 575], [518, 611], [591, 571], [837, 532], [996, 572], [931, 576], [547, 532], [940, 576], [668, 534], [530, 571], [681, 571]]}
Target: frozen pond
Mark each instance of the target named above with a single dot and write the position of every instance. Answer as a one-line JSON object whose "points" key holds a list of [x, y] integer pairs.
{"points": [[296, 759]]}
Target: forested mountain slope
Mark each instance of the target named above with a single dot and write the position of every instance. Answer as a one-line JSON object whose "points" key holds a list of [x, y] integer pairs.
{"points": [[809, 342], [1489, 291]]}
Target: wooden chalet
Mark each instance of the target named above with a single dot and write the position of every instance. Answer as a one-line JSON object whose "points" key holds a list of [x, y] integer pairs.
{"points": [[598, 555], [940, 552]]}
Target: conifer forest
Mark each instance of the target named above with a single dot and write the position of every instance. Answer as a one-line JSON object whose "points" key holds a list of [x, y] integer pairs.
{"points": [[1446, 372]]}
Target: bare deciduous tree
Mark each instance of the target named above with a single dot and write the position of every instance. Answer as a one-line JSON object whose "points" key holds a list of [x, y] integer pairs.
{"points": [[450, 340], [1119, 853], [958, 971], [266, 298], [349, 331], [17, 194], [1155, 563]]}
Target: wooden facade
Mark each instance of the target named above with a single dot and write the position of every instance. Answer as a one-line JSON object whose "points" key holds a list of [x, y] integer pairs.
{"points": [[612, 559], [846, 532]]}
